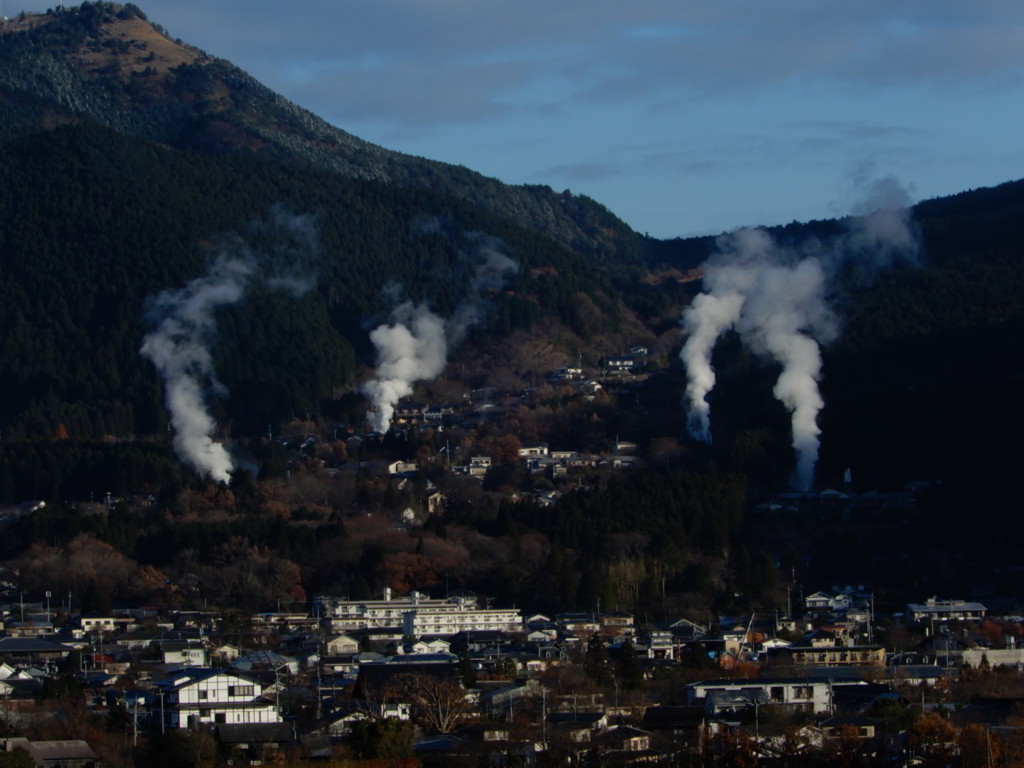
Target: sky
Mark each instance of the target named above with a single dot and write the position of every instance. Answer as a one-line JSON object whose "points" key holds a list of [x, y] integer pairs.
{"points": [[683, 117]]}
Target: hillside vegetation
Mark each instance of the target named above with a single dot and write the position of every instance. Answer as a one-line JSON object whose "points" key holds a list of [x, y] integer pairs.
{"points": [[107, 63]]}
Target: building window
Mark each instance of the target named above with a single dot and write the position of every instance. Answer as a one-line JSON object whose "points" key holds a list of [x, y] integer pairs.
{"points": [[241, 690]]}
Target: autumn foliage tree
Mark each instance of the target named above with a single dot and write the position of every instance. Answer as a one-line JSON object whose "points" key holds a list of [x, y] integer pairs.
{"points": [[439, 704], [933, 739], [91, 569]]}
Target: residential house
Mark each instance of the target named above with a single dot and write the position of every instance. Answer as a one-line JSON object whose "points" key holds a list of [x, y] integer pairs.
{"points": [[578, 624], [933, 609], [32, 650], [201, 695], [533, 449], [802, 693], [478, 466], [580, 727], [826, 603], [374, 687], [862, 727], [259, 742], [674, 727], [186, 654], [437, 645], [616, 624], [834, 655], [70, 753], [621, 363], [625, 745], [341, 645]]}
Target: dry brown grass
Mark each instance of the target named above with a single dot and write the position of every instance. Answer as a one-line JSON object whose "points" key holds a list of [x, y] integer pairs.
{"points": [[147, 49]]}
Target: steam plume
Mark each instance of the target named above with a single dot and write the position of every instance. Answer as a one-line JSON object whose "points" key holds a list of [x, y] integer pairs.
{"points": [[412, 348], [185, 327], [777, 301], [179, 348], [414, 345]]}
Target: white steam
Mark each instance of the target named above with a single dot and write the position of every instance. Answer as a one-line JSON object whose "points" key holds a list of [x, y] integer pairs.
{"points": [[777, 301], [179, 348], [412, 348], [414, 345], [185, 328]]}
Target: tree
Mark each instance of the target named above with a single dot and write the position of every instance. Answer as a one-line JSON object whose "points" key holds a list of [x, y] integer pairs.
{"points": [[438, 704], [977, 747], [596, 661], [17, 758], [933, 738], [466, 671], [629, 672], [386, 739]]}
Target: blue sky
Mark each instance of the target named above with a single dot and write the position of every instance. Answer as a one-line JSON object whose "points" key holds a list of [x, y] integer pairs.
{"points": [[681, 116]]}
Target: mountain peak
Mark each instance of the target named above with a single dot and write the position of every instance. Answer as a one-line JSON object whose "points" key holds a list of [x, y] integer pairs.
{"points": [[105, 39], [107, 63]]}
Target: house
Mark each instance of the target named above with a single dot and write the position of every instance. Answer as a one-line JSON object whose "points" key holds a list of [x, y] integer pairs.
{"points": [[72, 753], [401, 467], [823, 602], [580, 727], [202, 695], [731, 693], [621, 363], [375, 686], [675, 725], [577, 623], [266, 661], [341, 645], [225, 653], [624, 744], [933, 610], [437, 645], [616, 623], [566, 374], [256, 740], [93, 623], [504, 701], [862, 727], [32, 650], [187, 653], [533, 450], [478, 466], [834, 655]]}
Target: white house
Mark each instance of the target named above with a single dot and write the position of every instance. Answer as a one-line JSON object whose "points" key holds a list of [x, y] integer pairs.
{"points": [[341, 645], [934, 609], [802, 693], [824, 602], [202, 695]]}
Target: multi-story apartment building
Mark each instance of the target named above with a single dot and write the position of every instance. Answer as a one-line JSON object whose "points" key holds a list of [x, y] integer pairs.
{"points": [[417, 615]]}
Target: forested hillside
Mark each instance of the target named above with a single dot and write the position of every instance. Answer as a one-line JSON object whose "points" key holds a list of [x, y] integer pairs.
{"points": [[134, 165], [96, 223]]}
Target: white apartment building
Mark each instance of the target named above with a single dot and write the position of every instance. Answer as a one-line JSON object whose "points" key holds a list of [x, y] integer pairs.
{"points": [[446, 621], [347, 615], [418, 615]]}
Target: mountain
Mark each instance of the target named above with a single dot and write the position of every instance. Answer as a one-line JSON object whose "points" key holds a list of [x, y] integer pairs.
{"points": [[136, 165], [107, 63]]}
